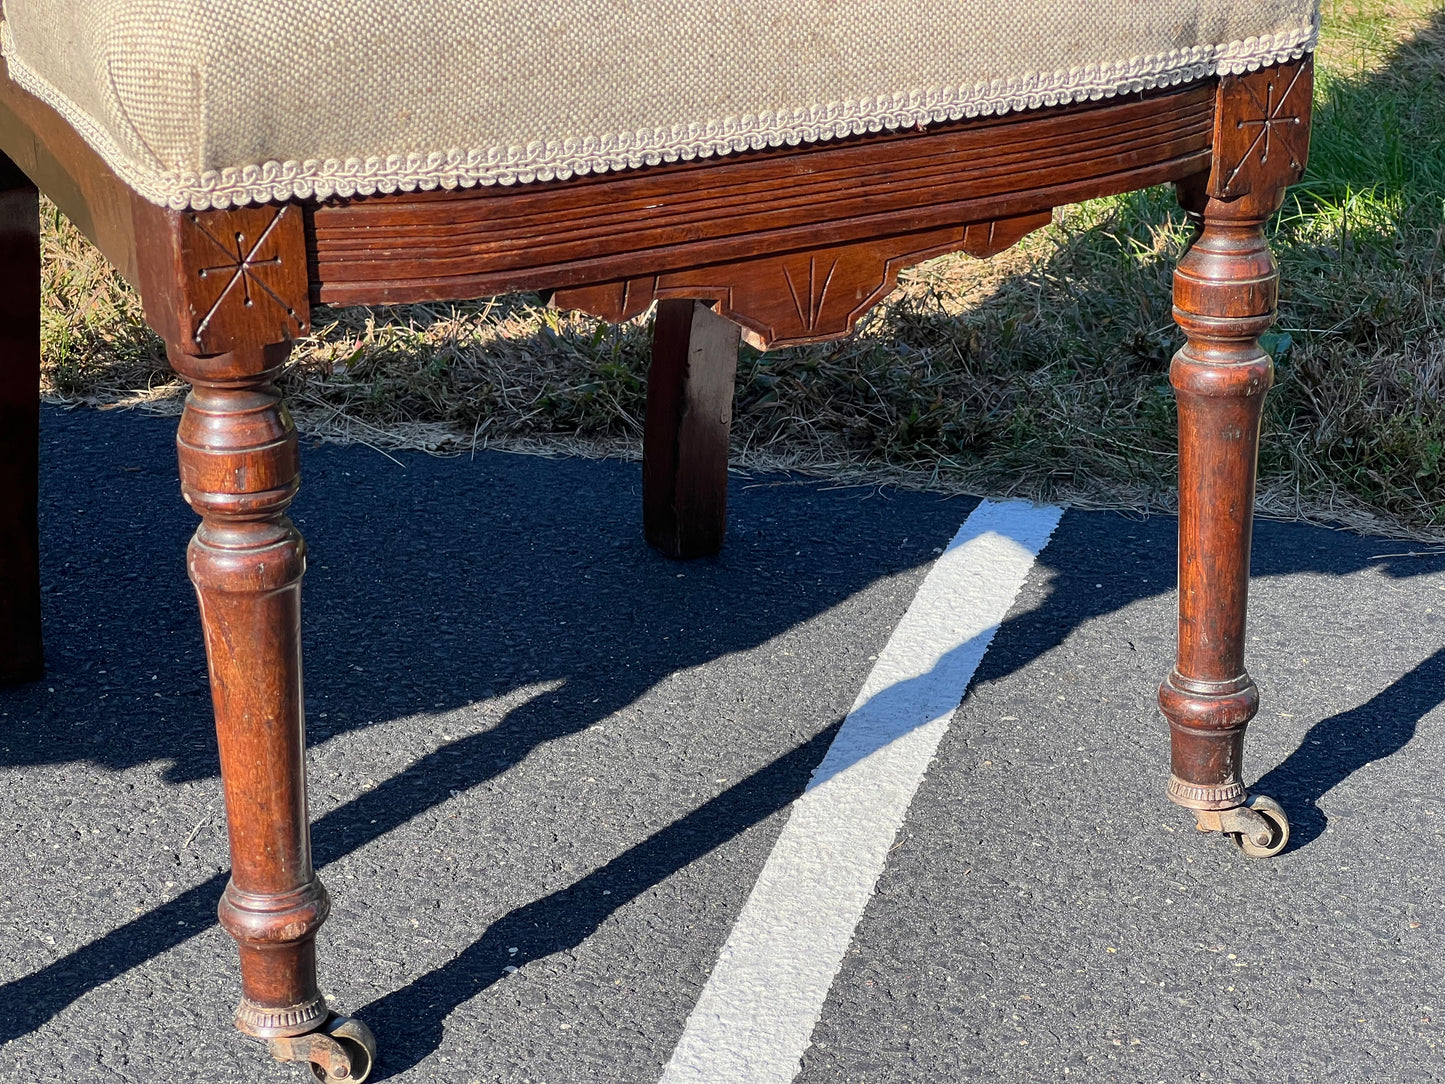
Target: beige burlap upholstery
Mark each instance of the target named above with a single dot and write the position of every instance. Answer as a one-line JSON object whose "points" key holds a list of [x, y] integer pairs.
{"points": [[208, 103]]}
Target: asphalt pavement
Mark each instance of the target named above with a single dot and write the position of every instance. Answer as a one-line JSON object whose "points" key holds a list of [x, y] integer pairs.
{"points": [[547, 767]]}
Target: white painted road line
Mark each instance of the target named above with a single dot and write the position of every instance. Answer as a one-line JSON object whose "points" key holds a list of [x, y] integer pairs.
{"points": [[756, 1015]]}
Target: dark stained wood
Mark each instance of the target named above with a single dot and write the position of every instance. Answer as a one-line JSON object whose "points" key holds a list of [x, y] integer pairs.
{"points": [[801, 297], [239, 470], [685, 443], [621, 226], [215, 280], [1225, 290], [1261, 130], [793, 243], [20, 654]]}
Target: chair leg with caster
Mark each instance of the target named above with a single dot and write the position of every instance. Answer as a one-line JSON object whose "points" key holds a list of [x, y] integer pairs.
{"points": [[238, 459], [341, 1049], [227, 290], [1225, 290]]}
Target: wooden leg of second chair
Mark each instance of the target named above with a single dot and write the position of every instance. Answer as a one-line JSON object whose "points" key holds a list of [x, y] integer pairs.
{"points": [[1225, 290], [685, 443], [20, 657]]}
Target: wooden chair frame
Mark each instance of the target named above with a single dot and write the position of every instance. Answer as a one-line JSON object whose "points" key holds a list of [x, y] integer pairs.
{"points": [[793, 244]]}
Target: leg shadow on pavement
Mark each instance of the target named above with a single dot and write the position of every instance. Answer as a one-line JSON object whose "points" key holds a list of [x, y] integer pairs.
{"points": [[1337, 747], [453, 586]]}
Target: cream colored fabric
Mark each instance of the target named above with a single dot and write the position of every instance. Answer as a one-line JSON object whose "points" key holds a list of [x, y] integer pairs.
{"points": [[208, 103]]}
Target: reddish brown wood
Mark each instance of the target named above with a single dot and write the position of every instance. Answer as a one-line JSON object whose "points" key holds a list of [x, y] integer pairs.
{"points": [[620, 226], [1225, 290], [793, 243], [685, 444], [801, 297], [1261, 131], [239, 470], [212, 280], [238, 461], [20, 654]]}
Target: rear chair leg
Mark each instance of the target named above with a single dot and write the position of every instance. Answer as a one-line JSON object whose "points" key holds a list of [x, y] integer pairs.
{"points": [[1225, 290], [20, 655], [685, 442]]}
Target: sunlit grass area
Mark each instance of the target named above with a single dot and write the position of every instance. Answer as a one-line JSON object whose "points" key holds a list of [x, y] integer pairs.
{"points": [[1040, 373]]}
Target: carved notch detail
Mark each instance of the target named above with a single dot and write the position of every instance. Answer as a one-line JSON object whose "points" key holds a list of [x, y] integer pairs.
{"points": [[242, 273], [246, 265], [218, 281], [816, 295], [1262, 129]]}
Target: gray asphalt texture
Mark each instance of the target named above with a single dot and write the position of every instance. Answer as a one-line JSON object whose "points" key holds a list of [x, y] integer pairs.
{"points": [[537, 745]]}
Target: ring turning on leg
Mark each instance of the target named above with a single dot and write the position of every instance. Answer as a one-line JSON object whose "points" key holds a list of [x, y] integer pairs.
{"points": [[1225, 289]]}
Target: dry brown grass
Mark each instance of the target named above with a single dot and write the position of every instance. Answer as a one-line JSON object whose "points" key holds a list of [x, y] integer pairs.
{"points": [[1041, 373]]}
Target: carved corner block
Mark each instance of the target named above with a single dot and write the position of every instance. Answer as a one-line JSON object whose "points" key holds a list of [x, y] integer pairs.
{"points": [[800, 297], [216, 281], [1262, 132]]}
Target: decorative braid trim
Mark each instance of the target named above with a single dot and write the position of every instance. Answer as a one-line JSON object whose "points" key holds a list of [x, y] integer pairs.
{"points": [[539, 161], [267, 1023]]}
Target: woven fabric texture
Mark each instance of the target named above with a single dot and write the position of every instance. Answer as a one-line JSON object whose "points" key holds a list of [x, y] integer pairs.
{"points": [[209, 103]]}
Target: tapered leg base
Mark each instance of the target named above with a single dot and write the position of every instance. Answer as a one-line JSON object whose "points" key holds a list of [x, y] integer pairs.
{"points": [[1225, 292]]}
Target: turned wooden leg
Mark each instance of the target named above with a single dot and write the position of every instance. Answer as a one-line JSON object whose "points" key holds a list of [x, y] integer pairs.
{"points": [[685, 442], [1225, 290], [1220, 378], [228, 291], [238, 461], [20, 656]]}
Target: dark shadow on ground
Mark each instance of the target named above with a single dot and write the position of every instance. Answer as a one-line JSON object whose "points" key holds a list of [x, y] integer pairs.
{"points": [[1337, 747], [447, 582]]}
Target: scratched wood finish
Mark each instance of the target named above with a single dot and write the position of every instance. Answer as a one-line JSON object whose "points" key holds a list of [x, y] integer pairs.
{"points": [[685, 440], [620, 226], [1225, 291], [20, 654]]}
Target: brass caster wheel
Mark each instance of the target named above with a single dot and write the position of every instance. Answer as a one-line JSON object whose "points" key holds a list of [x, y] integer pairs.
{"points": [[341, 1049], [1259, 827], [1271, 836]]}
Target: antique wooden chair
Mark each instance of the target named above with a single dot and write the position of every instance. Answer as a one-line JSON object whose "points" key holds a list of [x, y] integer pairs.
{"points": [[241, 160]]}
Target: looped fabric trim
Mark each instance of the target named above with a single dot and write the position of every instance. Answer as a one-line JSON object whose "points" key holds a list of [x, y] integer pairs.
{"points": [[558, 160]]}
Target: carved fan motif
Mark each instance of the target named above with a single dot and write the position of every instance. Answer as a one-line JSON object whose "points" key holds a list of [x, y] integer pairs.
{"points": [[800, 297]]}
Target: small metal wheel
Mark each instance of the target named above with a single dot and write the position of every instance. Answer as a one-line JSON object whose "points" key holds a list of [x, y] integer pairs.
{"points": [[1273, 815], [340, 1049], [359, 1045]]}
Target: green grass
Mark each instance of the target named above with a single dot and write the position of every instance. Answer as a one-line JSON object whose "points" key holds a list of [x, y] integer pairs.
{"points": [[1041, 373]]}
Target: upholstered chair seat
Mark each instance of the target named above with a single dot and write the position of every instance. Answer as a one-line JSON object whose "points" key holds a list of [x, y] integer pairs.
{"points": [[754, 167], [222, 102]]}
